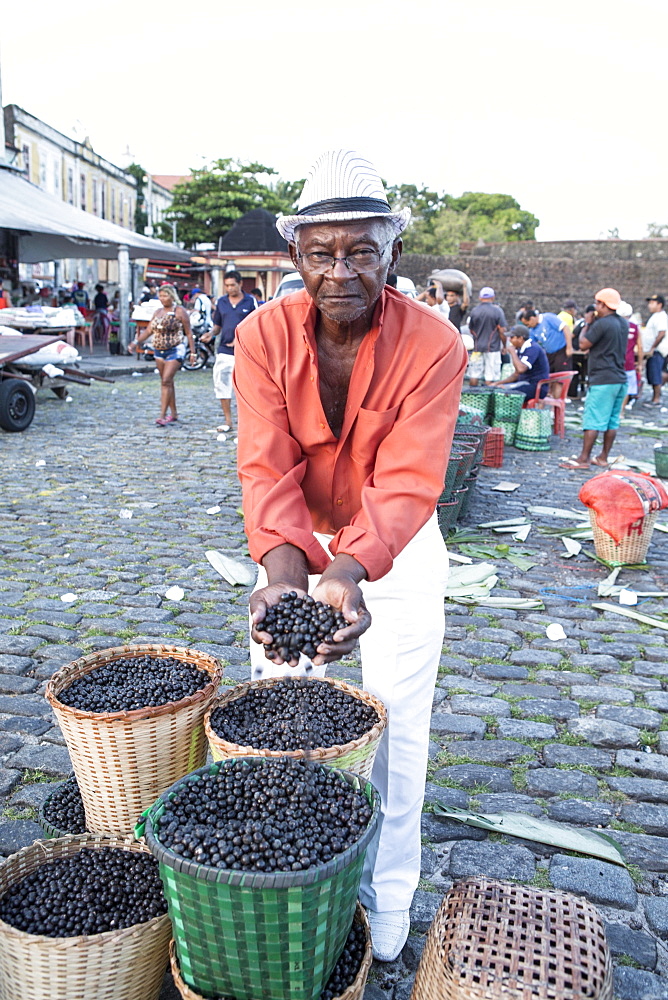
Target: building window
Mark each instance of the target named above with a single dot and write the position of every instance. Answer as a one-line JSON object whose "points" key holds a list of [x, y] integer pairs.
{"points": [[56, 176], [26, 160], [83, 191], [70, 185], [94, 196], [103, 201], [42, 171], [113, 205]]}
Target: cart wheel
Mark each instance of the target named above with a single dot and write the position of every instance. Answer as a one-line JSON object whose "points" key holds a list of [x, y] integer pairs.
{"points": [[17, 405]]}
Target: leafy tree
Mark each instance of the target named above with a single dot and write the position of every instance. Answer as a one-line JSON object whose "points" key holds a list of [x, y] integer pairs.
{"points": [[656, 231], [441, 223], [496, 217], [206, 205], [424, 204]]}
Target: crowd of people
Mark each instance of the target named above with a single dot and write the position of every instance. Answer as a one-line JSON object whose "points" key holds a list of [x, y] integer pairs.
{"points": [[562, 338]]}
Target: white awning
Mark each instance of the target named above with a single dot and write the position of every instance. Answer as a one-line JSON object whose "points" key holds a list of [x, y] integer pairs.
{"points": [[50, 229]]}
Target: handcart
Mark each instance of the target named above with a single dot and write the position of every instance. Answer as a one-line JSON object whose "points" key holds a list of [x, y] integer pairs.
{"points": [[20, 378]]}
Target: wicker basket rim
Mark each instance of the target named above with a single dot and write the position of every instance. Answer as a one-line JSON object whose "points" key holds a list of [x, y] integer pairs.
{"points": [[94, 841], [86, 664], [259, 880], [360, 917], [337, 750]]}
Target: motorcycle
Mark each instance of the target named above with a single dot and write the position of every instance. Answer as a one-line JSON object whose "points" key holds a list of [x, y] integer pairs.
{"points": [[204, 353]]}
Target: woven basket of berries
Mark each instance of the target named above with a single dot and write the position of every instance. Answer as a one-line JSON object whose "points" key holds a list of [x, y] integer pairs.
{"points": [[314, 718], [62, 812], [82, 917], [346, 982], [133, 721], [261, 860]]}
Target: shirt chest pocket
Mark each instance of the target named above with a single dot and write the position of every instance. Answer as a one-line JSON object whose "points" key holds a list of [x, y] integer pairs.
{"points": [[370, 429]]}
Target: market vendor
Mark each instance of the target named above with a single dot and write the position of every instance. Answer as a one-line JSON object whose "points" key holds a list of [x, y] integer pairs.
{"points": [[529, 362], [348, 392]]}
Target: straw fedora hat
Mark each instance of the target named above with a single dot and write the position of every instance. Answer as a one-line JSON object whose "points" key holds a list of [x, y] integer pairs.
{"points": [[342, 186]]}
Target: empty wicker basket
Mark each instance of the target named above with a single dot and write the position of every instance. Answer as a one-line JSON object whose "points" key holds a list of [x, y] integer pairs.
{"points": [[124, 760], [354, 991], [632, 550], [118, 965], [357, 756], [494, 940]]}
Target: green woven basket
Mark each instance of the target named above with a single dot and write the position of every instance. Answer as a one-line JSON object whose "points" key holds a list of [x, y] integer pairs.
{"points": [[534, 430], [477, 399], [531, 444], [661, 462], [471, 482], [256, 936], [459, 465], [474, 436], [507, 406], [509, 430], [448, 510]]}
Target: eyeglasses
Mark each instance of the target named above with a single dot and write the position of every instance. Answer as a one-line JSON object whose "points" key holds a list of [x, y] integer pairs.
{"points": [[360, 261]]}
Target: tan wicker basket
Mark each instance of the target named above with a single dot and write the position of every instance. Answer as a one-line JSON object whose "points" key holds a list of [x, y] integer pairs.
{"points": [[357, 756], [118, 965], [632, 550], [124, 760], [491, 940], [354, 992]]}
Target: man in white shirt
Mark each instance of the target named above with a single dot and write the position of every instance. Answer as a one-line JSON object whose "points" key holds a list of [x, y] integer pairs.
{"points": [[655, 345]]}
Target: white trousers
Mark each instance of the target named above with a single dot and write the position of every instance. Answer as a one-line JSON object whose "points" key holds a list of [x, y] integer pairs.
{"points": [[400, 657]]}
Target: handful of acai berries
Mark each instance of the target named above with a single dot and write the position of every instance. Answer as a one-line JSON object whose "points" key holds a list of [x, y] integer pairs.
{"points": [[299, 624]]}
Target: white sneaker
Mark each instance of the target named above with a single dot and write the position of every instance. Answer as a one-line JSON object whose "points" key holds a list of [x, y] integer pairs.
{"points": [[223, 428], [389, 931]]}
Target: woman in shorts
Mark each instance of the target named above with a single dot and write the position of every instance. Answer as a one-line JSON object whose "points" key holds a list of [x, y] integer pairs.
{"points": [[169, 328]]}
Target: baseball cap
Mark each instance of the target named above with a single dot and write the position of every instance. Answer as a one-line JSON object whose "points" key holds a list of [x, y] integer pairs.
{"points": [[609, 297], [486, 293], [656, 298], [570, 304]]}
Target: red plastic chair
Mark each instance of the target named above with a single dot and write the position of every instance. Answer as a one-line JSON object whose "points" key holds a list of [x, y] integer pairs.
{"points": [[558, 405]]}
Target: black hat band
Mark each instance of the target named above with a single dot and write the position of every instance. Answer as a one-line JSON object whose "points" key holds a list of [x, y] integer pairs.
{"points": [[332, 205]]}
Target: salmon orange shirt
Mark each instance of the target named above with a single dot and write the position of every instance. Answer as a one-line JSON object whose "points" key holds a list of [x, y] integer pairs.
{"points": [[376, 485]]}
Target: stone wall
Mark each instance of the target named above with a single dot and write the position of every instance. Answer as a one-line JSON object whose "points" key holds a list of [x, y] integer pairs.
{"points": [[549, 273]]}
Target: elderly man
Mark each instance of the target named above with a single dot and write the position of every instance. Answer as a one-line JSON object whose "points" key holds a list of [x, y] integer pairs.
{"points": [[606, 341], [348, 392]]}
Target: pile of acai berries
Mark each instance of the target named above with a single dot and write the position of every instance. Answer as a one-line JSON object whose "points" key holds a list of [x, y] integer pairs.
{"points": [[133, 682], [89, 892], [293, 713], [64, 808], [299, 624], [264, 815]]}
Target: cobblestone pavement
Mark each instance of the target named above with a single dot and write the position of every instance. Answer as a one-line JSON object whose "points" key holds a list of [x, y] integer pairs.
{"points": [[556, 729]]}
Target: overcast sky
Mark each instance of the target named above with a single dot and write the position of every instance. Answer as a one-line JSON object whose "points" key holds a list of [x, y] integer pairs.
{"points": [[562, 105]]}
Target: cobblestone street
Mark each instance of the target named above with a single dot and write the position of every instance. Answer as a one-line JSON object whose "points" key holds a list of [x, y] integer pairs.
{"points": [[556, 729]]}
